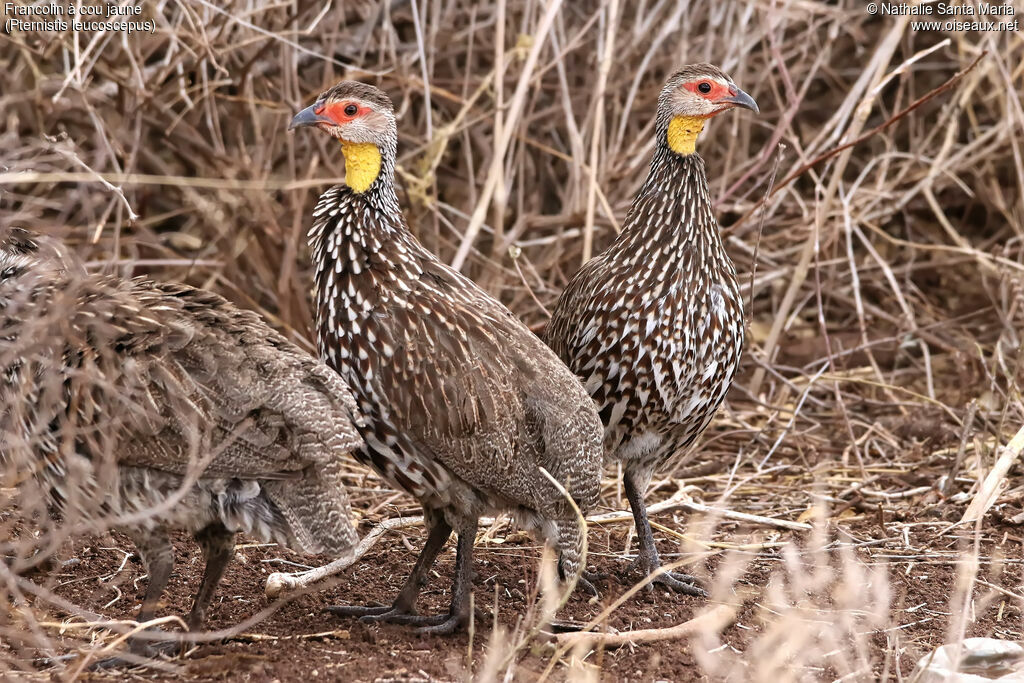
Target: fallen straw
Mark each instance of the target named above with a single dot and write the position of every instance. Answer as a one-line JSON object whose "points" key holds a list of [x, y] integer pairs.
{"points": [[284, 582], [714, 619], [680, 500], [991, 487]]}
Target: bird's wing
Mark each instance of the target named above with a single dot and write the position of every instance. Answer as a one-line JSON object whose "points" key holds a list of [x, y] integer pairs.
{"points": [[230, 390], [240, 401], [596, 332], [461, 377]]}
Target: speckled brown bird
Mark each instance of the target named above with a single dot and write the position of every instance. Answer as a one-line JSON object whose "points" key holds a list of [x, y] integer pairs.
{"points": [[464, 404], [147, 407], [654, 325]]}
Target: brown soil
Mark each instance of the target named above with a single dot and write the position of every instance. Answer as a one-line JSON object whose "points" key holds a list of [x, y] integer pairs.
{"points": [[922, 572]]}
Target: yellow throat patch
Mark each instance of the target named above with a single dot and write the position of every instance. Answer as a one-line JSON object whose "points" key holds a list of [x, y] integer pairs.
{"points": [[683, 132], [362, 164]]}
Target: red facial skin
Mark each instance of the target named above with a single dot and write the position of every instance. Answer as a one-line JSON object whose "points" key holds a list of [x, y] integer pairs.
{"points": [[717, 92], [335, 111]]}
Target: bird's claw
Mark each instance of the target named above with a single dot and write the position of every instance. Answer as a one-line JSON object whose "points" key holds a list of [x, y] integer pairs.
{"points": [[679, 583], [436, 624], [139, 653], [448, 623], [674, 581], [585, 583], [360, 611]]}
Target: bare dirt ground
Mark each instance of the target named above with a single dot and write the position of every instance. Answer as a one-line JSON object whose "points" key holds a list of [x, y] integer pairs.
{"points": [[881, 571]]}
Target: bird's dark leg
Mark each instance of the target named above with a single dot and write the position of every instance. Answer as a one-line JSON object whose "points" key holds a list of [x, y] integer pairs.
{"points": [[458, 613], [158, 557], [647, 560], [403, 605], [462, 588], [585, 583], [218, 546]]}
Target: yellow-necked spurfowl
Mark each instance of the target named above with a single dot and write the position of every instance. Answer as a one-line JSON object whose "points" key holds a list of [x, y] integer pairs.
{"points": [[148, 407], [464, 404], [654, 325]]}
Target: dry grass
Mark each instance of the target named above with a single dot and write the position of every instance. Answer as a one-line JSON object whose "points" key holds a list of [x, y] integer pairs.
{"points": [[888, 294]]}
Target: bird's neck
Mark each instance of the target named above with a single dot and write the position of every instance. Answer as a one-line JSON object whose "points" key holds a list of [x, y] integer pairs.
{"points": [[671, 222], [353, 231], [360, 239], [670, 244]]}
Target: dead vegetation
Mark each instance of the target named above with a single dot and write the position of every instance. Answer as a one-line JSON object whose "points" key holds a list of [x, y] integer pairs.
{"points": [[882, 378]]}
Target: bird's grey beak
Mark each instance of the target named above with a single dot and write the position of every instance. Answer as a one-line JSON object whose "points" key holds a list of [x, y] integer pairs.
{"points": [[739, 98], [309, 117]]}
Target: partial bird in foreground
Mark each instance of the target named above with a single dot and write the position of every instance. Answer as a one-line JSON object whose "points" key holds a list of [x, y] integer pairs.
{"points": [[464, 404], [654, 325], [145, 407]]}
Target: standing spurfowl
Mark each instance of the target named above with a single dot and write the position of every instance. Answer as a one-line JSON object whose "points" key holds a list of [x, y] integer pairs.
{"points": [[146, 407], [464, 404], [654, 325]]}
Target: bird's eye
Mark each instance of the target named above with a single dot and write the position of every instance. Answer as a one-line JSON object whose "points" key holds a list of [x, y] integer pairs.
{"points": [[704, 87], [351, 110]]}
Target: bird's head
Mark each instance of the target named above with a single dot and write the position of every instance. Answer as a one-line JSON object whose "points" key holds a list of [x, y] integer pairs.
{"points": [[691, 96], [362, 118]]}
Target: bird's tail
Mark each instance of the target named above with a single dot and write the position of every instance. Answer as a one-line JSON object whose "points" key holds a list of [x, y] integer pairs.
{"points": [[316, 511]]}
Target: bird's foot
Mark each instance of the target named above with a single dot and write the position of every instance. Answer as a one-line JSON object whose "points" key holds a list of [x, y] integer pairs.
{"points": [[597, 577], [140, 652], [674, 581], [366, 612], [679, 583], [446, 624], [436, 624], [405, 618], [556, 627], [586, 580]]}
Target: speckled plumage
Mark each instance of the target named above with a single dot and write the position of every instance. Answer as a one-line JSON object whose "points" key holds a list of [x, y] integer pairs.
{"points": [[114, 392], [654, 325], [464, 404]]}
